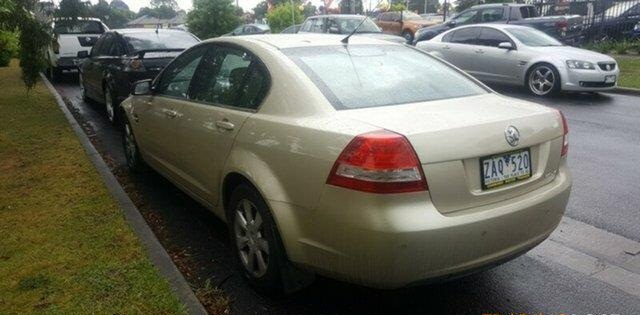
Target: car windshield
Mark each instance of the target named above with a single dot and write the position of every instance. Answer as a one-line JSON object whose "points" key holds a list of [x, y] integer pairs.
{"points": [[359, 76], [533, 38], [161, 40], [346, 26], [408, 15], [77, 27]]}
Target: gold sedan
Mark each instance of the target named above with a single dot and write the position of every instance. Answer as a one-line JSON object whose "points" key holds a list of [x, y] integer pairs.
{"points": [[366, 161]]}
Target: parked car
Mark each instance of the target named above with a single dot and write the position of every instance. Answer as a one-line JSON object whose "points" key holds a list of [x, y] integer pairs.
{"points": [[635, 34], [345, 24], [616, 23], [523, 56], [363, 161], [566, 28], [403, 23], [122, 57], [250, 29], [69, 37], [291, 29]]}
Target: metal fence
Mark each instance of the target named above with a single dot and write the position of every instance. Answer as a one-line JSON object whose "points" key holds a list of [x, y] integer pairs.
{"points": [[603, 19]]}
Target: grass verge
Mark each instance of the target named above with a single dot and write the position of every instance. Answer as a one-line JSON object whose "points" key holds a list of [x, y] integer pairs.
{"points": [[65, 247], [629, 71]]}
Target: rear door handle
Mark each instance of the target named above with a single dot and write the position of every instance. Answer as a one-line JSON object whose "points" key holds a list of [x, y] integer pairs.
{"points": [[225, 124], [170, 113]]}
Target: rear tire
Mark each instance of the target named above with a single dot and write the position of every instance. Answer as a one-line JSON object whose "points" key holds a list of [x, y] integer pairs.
{"points": [[408, 36], [54, 74], [255, 240], [111, 106], [543, 80], [83, 91]]}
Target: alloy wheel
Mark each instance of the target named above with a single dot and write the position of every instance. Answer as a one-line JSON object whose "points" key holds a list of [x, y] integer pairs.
{"points": [[108, 102], [252, 244], [130, 149], [542, 80]]}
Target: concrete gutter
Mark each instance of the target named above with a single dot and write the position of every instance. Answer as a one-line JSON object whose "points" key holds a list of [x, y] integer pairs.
{"points": [[626, 90], [155, 251]]}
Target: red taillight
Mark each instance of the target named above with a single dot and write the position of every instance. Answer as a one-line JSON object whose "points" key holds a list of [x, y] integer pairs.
{"points": [[380, 162], [135, 64], [565, 137], [562, 25]]}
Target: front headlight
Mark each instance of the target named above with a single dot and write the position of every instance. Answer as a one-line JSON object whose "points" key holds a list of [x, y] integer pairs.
{"points": [[580, 64]]}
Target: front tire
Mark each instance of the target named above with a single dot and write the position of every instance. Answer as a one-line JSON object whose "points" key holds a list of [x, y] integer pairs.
{"points": [[255, 240], [131, 152], [543, 80]]}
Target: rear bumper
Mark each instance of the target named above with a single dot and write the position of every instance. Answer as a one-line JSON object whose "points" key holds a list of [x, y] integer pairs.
{"points": [[399, 240], [66, 63]]}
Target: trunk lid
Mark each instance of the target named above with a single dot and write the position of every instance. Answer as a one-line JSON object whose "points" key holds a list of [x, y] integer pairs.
{"points": [[450, 137]]}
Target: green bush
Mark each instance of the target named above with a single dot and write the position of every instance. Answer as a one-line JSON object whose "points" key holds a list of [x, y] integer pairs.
{"points": [[618, 47], [8, 47], [280, 17]]}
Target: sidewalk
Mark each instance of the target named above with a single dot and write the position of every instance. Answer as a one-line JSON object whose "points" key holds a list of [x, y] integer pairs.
{"points": [[65, 247]]}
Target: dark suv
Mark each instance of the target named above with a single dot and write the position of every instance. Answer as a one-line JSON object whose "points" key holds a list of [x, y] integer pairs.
{"points": [[122, 57]]}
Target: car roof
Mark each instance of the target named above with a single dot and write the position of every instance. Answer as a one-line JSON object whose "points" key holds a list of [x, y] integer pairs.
{"points": [[493, 5], [342, 16], [283, 41], [493, 25], [146, 30]]}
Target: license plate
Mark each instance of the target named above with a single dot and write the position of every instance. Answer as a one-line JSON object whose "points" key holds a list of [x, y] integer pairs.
{"points": [[610, 79], [501, 169]]}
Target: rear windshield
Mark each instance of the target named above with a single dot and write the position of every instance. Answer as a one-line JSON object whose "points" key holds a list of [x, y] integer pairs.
{"points": [[78, 27], [161, 40], [360, 76]]}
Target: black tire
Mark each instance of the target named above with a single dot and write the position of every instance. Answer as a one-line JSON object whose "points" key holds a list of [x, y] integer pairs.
{"points": [[112, 106], [54, 74], [408, 36], [270, 281], [135, 163], [83, 90], [548, 73]]}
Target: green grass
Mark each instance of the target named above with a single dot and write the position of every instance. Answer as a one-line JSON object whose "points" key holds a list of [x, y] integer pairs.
{"points": [[629, 71], [65, 247]]}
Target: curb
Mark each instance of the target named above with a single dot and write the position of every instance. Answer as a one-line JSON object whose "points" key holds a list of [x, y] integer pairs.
{"points": [[155, 251], [626, 91]]}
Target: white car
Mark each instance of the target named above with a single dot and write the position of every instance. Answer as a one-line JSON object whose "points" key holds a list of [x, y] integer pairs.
{"points": [[70, 37], [522, 55]]}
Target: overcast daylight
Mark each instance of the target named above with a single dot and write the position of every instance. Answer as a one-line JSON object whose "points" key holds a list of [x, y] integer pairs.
{"points": [[320, 157]]}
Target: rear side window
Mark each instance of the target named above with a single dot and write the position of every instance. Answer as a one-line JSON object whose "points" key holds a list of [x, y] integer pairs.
{"points": [[527, 12], [77, 27], [362, 76], [161, 40], [491, 15], [177, 76], [232, 77], [467, 36], [492, 37]]}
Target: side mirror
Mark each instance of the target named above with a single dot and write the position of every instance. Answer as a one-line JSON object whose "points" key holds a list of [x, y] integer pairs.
{"points": [[334, 30], [452, 23], [142, 87], [82, 54], [505, 45]]}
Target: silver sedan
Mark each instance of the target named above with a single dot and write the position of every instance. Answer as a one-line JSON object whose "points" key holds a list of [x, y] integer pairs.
{"points": [[523, 56]]}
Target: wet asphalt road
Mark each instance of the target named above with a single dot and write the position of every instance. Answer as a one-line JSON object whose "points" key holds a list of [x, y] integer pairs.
{"points": [[604, 152]]}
